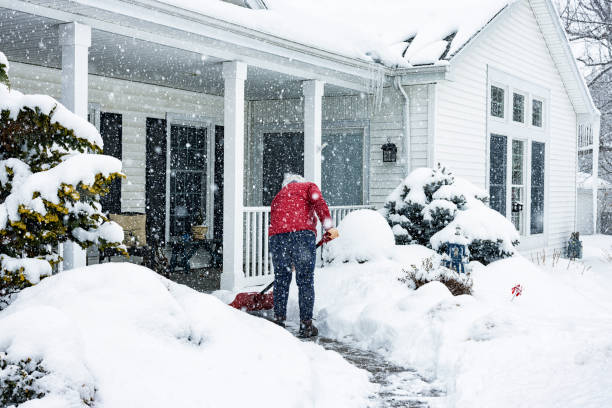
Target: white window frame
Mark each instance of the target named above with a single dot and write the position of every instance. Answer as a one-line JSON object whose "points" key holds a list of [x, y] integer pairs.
{"points": [[490, 100], [526, 115], [527, 133], [541, 99], [201, 122]]}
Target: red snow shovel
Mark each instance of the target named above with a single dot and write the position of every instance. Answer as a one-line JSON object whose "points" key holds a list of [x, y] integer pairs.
{"points": [[253, 301]]}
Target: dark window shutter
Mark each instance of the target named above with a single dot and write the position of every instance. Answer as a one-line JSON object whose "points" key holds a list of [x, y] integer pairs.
{"points": [[497, 173], [111, 131], [155, 190], [537, 187], [218, 195]]}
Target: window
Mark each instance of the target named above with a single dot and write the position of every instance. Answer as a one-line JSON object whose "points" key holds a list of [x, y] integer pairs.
{"points": [[188, 162], [497, 102], [518, 184], [342, 167], [536, 113], [497, 173], [518, 108], [537, 187]]}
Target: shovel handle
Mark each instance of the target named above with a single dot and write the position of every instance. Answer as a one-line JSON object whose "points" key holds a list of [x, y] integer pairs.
{"points": [[267, 288]]}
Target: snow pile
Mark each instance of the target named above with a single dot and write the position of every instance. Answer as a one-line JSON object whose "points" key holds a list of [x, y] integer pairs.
{"points": [[128, 338], [396, 33], [364, 236], [549, 347]]}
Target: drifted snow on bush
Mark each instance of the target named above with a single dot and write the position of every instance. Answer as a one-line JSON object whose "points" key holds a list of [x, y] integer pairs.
{"points": [[364, 236], [51, 181], [431, 207]]}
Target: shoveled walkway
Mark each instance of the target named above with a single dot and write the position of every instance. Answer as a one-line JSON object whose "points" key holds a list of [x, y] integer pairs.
{"points": [[399, 386]]}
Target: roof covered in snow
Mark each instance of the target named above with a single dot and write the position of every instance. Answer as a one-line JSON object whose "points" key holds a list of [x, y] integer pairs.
{"points": [[396, 33]]}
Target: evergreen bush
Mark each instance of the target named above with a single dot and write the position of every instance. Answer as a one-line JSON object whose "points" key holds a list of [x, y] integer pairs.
{"points": [[52, 174], [431, 207]]}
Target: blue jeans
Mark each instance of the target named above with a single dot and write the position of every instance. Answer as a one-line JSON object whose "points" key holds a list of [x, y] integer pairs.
{"points": [[297, 249]]}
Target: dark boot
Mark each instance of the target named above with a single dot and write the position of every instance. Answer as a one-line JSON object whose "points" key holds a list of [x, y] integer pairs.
{"points": [[307, 329]]}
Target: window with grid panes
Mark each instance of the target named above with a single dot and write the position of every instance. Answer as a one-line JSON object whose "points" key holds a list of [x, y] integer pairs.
{"points": [[518, 108], [536, 113], [497, 102], [188, 162]]}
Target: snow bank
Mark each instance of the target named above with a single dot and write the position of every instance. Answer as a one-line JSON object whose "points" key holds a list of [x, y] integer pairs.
{"points": [[134, 339], [549, 347], [364, 236], [396, 33]]}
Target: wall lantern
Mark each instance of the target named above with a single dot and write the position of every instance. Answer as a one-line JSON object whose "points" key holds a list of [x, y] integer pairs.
{"points": [[389, 152]]}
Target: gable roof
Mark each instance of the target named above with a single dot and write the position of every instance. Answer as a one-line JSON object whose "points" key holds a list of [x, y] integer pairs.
{"points": [[396, 33]]}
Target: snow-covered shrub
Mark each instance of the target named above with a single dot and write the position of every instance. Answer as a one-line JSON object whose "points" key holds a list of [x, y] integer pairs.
{"points": [[364, 236], [430, 270], [19, 380], [51, 178], [431, 207]]}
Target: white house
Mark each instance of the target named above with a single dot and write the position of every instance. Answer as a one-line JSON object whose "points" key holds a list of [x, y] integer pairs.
{"points": [[207, 103]]}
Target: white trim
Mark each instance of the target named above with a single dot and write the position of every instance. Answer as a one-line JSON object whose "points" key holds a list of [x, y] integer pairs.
{"points": [[432, 114], [527, 133]]}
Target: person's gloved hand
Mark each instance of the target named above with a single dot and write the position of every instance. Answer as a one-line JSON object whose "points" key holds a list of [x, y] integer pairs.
{"points": [[332, 233]]}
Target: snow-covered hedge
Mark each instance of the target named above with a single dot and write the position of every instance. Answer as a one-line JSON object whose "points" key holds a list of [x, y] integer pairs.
{"points": [[51, 180], [364, 236], [431, 207]]}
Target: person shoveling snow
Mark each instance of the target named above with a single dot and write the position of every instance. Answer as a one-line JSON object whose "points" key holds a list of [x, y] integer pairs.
{"points": [[292, 234]]}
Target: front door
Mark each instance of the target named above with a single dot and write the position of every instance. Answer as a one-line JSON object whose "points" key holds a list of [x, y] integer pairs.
{"points": [[283, 153], [188, 177]]}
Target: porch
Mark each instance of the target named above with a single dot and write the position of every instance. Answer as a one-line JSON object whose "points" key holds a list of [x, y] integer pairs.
{"points": [[201, 135]]}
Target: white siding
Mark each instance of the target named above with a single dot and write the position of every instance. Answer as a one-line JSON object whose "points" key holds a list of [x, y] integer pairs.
{"points": [[513, 44], [136, 102], [384, 124]]}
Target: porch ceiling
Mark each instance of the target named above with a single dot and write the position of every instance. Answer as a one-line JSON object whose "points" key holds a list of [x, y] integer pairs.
{"points": [[33, 39]]}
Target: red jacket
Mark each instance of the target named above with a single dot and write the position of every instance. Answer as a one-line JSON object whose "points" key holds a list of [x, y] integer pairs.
{"points": [[294, 207]]}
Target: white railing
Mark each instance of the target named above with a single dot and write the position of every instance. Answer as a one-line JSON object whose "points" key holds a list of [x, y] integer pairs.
{"points": [[256, 255], [257, 265]]}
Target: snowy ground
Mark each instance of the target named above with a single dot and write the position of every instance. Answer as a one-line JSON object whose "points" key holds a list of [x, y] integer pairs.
{"points": [[124, 336], [550, 347]]}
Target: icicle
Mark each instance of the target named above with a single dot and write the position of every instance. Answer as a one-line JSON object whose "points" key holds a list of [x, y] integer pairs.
{"points": [[376, 85]]}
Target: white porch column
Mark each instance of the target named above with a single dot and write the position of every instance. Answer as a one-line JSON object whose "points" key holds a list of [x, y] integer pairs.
{"points": [[313, 101], [234, 75], [75, 40]]}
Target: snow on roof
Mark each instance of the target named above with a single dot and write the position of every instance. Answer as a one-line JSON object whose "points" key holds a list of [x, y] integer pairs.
{"points": [[585, 180], [397, 33]]}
